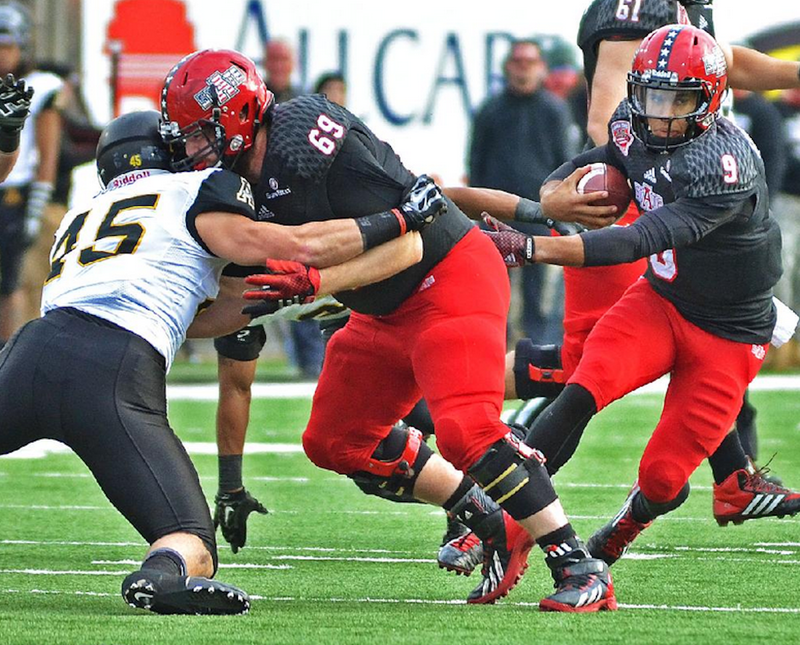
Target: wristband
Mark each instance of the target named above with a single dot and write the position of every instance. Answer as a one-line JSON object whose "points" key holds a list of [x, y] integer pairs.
{"points": [[380, 227], [9, 140], [230, 472], [529, 211]]}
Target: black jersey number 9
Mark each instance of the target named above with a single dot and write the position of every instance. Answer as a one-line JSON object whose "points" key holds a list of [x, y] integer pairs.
{"points": [[130, 235]]}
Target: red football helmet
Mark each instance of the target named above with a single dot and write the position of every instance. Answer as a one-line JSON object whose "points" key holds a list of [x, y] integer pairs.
{"points": [[676, 86], [215, 94]]}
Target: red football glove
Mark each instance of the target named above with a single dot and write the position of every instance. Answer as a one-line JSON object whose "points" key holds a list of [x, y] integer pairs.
{"points": [[286, 283], [516, 248]]}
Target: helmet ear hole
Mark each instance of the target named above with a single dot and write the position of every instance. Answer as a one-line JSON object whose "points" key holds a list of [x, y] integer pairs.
{"points": [[244, 113]]}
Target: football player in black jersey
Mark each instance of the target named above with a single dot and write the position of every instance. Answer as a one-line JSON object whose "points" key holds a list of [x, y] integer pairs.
{"points": [[705, 313], [418, 333], [609, 35]]}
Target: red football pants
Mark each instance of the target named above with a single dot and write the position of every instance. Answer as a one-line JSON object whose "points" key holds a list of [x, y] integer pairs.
{"points": [[589, 292], [446, 342], [644, 337]]}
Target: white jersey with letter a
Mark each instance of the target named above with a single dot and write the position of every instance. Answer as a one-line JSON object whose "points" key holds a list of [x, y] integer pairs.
{"points": [[132, 256]]}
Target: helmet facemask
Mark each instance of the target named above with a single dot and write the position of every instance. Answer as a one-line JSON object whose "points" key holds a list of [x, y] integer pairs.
{"points": [[667, 116], [205, 137]]}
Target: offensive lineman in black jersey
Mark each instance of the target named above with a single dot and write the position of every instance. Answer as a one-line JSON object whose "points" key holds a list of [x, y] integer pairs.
{"points": [[705, 312]]}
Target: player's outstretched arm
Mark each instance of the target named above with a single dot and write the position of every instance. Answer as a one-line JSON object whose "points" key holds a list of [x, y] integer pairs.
{"points": [[749, 69], [519, 249], [290, 283], [507, 206]]}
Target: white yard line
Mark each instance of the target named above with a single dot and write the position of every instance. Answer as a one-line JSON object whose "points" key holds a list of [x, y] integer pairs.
{"points": [[427, 601]]}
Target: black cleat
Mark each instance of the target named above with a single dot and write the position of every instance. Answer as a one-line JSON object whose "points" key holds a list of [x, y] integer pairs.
{"points": [[165, 593], [581, 587], [610, 542], [505, 560]]}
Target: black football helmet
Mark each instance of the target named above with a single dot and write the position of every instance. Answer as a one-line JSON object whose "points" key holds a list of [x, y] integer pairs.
{"points": [[129, 143]]}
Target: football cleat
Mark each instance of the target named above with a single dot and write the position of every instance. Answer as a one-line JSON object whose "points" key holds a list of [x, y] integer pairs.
{"points": [[505, 559], [611, 541], [581, 587], [165, 593], [746, 495], [461, 553]]}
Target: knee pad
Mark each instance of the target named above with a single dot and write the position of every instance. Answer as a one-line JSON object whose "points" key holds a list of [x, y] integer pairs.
{"points": [[538, 370], [243, 345], [513, 475], [662, 480], [395, 465]]}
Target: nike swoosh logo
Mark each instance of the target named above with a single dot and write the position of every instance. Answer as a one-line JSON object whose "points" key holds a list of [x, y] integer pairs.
{"points": [[143, 597]]}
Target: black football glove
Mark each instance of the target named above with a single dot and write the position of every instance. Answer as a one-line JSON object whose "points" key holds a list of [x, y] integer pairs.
{"points": [[15, 106], [230, 514], [423, 204], [516, 248]]}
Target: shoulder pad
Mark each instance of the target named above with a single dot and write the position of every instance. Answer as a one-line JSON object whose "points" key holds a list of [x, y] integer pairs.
{"points": [[307, 134], [722, 161]]}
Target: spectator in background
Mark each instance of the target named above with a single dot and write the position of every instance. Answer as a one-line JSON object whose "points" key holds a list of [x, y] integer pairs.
{"points": [[278, 68], [787, 208], [28, 188], [332, 85], [565, 80], [518, 138]]}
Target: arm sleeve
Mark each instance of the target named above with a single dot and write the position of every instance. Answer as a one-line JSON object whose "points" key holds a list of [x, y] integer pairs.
{"points": [[674, 225], [595, 155], [222, 191]]}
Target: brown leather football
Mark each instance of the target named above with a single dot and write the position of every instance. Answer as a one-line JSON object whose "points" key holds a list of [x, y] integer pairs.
{"points": [[608, 178]]}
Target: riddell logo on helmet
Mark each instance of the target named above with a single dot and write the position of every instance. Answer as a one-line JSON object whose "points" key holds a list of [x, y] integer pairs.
{"points": [[226, 85]]}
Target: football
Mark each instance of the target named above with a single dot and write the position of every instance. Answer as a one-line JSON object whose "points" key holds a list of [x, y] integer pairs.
{"points": [[608, 178]]}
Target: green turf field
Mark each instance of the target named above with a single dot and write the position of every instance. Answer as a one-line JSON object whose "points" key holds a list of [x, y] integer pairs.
{"points": [[330, 565]]}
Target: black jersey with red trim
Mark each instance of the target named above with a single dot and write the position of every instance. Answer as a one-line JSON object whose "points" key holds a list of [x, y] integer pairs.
{"points": [[714, 250], [633, 20], [323, 163]]}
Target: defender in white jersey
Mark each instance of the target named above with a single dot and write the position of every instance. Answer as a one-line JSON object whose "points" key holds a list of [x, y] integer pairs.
{"points": [[128, 273]]}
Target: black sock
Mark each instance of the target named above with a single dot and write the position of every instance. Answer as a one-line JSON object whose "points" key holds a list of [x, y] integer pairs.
{"points": [[552, 431], [728, 458], [230, 473], [167, 561], [463, 488], [561, 547], [640, 509]]}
